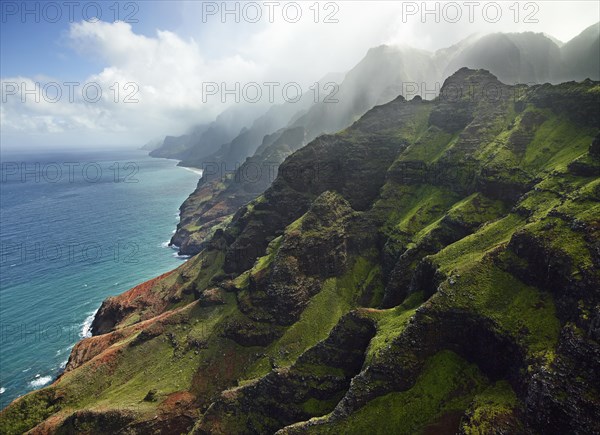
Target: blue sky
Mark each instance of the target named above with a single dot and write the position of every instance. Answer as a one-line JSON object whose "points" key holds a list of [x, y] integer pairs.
{"points": [[33, 48], [170, 52]]}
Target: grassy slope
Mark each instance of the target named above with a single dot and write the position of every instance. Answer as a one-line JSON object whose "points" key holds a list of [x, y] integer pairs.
{"points": [[448, 383]]}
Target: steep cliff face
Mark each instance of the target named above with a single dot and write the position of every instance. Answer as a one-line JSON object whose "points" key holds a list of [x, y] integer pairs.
{"points": [[208, 137], [579, 66], [434, 268], [218, 196], [383, 74]]}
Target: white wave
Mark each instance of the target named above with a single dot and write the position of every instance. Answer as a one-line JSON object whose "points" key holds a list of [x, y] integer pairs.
{"points": [[86, 328], [63, 364], [26, 370], [66, 349], [173, 232], [165, 244], [2, 390], [181, 257], [40, 381], [194, 170]]}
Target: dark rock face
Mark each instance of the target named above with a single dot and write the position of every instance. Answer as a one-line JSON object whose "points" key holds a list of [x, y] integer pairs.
{"points": [[307, 256], [595, 148], [109, 314], [412, 272], [452, 118], [251, 333], [250, 233], [584, 169], [564, 399], [211, 297], [552, 269], [174, 416], [461, 94], [95, 422], [568, 99]]}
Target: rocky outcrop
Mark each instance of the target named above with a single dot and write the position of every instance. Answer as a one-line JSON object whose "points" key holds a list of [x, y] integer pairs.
{"points": [[305, 257], [94, 422], [309, 387], [570, 99], [140, 300], [564, 399]]}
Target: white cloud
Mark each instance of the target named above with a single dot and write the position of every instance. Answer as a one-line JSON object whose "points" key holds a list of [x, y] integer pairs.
{"points": [[151, 86], [167, 74], [168, 70]]}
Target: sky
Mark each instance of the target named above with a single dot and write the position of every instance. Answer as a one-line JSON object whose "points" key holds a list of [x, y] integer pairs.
{"points": [[119, 74]]}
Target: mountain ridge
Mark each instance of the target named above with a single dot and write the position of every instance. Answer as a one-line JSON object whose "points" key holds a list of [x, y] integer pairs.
{"points": [[384, 73], [526, 46], [438, 258]]}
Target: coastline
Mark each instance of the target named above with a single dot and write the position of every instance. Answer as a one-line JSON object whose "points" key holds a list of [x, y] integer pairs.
{"points": [[86, 327], [23, 375], [193, 169]]}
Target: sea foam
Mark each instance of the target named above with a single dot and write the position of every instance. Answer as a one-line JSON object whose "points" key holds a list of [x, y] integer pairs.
{"points": [[40, 381], [86, 328]]}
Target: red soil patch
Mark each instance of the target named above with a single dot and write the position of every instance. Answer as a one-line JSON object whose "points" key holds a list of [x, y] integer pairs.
{"points": [[177, 401], [100, 350], [130, 297]]}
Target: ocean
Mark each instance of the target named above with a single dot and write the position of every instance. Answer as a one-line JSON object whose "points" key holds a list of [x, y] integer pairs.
{"points": [[76, 227]]}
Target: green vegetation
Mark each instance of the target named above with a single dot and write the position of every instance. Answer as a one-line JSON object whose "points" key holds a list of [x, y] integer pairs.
{"points": [[448, 383], [165, 363], [264, 262], [337, 297], [28, 411], [476, 209], [429, 147], [547, 150], [473, 247], [407, 210], [317, 407], [210, 263], [391, 323], [492, 406], [524, 312]]}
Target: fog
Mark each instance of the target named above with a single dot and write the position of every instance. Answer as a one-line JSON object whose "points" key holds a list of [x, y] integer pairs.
{"points": [[152, 80]]}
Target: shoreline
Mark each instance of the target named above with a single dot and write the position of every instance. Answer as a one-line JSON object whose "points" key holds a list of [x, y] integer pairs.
{"points": [[45, 377], [194, 169]]}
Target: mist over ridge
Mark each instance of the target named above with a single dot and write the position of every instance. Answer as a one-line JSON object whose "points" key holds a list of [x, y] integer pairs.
{"points": [[388, 71]]}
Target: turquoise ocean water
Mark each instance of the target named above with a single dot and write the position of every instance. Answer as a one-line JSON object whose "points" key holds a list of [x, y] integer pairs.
{"points": [[75, 228]]}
